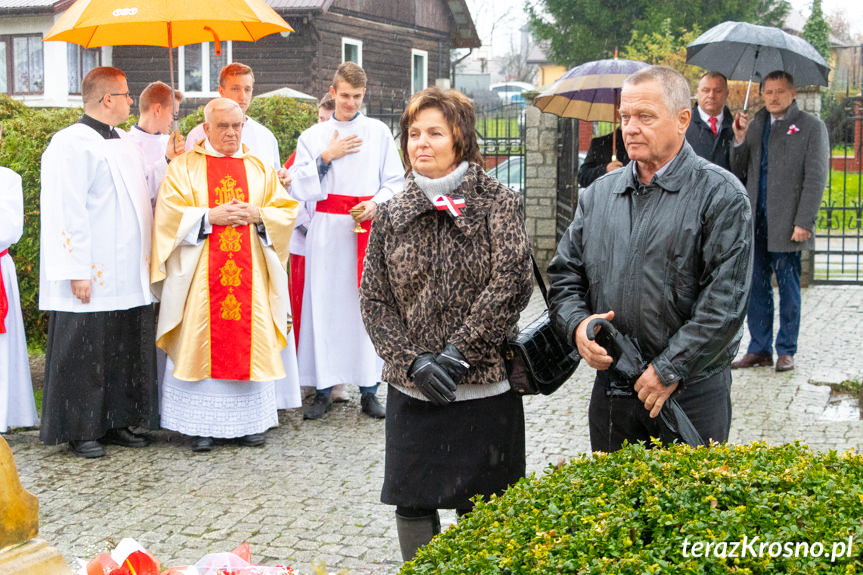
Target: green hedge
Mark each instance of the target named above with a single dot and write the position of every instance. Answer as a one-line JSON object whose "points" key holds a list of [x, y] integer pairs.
{"points": [[655, 510], [26, 133]]}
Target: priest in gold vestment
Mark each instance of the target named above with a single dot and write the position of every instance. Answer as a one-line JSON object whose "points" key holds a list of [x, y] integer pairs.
{"points": [[221, 240]]}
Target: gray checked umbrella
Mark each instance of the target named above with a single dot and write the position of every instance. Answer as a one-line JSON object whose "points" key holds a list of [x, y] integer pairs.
{"points": [[743, 51]]}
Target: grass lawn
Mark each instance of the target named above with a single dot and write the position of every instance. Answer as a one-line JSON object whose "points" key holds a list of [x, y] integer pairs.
{"points": [[497, 126], [843, 150], [843, 191]]}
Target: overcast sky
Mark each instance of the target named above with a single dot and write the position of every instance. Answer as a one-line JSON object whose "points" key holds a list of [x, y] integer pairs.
{"points": [[853, 10], [507, 16]]}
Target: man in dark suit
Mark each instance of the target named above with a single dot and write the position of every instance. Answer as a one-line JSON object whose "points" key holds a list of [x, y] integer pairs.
{"points": [[599, 160], [784, 155], [710, 132]]}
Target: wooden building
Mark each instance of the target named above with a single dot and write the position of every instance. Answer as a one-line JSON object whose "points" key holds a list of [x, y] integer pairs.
{"points": [[404, 46]]}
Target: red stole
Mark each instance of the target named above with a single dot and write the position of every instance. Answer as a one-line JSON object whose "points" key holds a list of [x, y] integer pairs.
{"points": [[4, 303], [230, 275], [342, 205]]}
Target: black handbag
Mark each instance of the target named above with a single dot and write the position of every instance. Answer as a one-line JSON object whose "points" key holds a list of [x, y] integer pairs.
{"points": [[536, 360]]}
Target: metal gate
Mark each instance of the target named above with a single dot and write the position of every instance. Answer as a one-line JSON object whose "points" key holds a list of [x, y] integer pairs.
{"points": [[567, 169], [500, 130], [838, 254]]}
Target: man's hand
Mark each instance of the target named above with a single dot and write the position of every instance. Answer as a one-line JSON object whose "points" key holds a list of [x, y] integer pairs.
{"points": [[339, 148], [800, 234], [176, 145], [611, 166], [740, 125], [594, 354], [369, 207], [246, 214], [234, 214], [81, 290], [284, 178], [651, 390]]}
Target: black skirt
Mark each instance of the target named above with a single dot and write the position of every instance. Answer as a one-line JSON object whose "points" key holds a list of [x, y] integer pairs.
{"points": [[100, 374], [440, 457]]}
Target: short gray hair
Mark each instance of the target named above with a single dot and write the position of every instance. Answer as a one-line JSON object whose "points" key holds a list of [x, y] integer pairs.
{"points": [[219, 104], [675, 88]]}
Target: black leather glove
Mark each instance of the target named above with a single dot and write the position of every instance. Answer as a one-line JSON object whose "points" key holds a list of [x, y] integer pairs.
{"points": [[432, 380], [453, 362]]}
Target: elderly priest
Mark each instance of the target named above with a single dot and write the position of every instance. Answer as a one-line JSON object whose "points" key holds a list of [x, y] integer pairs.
{"points": [[220, 248]]}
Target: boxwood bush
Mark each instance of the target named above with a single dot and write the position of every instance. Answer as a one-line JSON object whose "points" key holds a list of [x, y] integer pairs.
{"points": [[762, 510], [26, 134]]}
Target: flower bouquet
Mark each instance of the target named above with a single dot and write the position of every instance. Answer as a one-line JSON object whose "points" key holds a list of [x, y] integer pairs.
{"points": [[130, 558]]}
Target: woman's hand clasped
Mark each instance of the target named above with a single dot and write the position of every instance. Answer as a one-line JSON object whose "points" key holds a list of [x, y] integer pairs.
{"points": [[432, 379], [453, 363]]}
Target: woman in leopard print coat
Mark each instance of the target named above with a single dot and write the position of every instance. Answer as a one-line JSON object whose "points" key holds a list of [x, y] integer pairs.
{"points": [[447, 272]]}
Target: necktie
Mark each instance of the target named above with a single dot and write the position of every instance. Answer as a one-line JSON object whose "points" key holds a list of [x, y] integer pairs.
{"points": [[713, 126]]}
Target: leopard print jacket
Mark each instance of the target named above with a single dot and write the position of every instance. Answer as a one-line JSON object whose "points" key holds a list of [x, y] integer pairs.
{"points": [[430, 278]]}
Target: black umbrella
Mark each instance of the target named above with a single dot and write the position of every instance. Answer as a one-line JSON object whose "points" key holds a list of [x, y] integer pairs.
{"points": [[743, 51], [629, 365]]}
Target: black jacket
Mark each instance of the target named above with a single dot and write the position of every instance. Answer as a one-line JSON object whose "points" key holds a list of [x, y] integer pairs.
{"points": [[674, 263], [598, 156], [712, 148]]}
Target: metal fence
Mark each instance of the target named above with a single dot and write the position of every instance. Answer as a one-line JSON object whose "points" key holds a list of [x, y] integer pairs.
{"points": [[838, 254], [499, 127]]}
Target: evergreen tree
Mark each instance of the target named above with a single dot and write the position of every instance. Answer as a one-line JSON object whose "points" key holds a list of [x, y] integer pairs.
{"points": [[581, 30], [816, 31]]}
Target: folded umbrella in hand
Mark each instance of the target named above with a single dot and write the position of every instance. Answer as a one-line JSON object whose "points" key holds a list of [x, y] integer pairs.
{"points": [[630, 364]]}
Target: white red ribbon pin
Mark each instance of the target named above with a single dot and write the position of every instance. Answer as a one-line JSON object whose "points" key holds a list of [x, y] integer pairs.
{"points": [[451, 204], [792, 129]]}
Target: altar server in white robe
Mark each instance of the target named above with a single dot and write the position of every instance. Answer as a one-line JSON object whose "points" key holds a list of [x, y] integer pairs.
{"points": [[237, 83], [152, 132], [17, 407], [96, 226], [334, 346]]}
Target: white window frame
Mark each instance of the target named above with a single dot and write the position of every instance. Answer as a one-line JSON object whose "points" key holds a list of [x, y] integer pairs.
{"points": [[79, 57], [227, 49], [359, 46], [425, 56]]}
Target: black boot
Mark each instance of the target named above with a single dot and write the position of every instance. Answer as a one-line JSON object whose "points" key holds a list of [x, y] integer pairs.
{"points": [[414, 532]]}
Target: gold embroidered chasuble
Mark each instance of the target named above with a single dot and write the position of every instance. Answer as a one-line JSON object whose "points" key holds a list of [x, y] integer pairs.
{"points": [[181, 275]]}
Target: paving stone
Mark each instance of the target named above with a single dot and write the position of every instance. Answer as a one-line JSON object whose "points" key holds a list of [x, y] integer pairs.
{"points": [[312, 493]]}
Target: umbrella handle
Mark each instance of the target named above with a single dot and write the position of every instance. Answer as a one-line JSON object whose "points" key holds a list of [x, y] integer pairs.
{"points": [[174, 112], [752, 75]]}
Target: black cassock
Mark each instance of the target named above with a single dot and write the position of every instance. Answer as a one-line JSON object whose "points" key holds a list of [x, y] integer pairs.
{"points": [[100, 374]]}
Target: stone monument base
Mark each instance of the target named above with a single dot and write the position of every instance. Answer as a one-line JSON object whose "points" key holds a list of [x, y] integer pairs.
{"points": [[35, 557]]}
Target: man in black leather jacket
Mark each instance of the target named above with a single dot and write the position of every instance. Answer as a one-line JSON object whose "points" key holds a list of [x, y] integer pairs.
{"points": [[663, 250], [710, 132]]}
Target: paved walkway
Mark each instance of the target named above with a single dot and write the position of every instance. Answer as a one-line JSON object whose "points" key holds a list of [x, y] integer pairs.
{"points": [[311, 494]]}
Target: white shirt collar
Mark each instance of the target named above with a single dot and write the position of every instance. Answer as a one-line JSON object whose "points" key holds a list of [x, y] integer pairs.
{"points": [[705, 117]]}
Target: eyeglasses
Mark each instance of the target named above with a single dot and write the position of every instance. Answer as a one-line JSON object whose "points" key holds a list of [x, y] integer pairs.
{"points": [[116, 94]]}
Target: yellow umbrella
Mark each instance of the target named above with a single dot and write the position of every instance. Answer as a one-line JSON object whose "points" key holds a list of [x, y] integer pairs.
{"points": [[169, 23]]}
